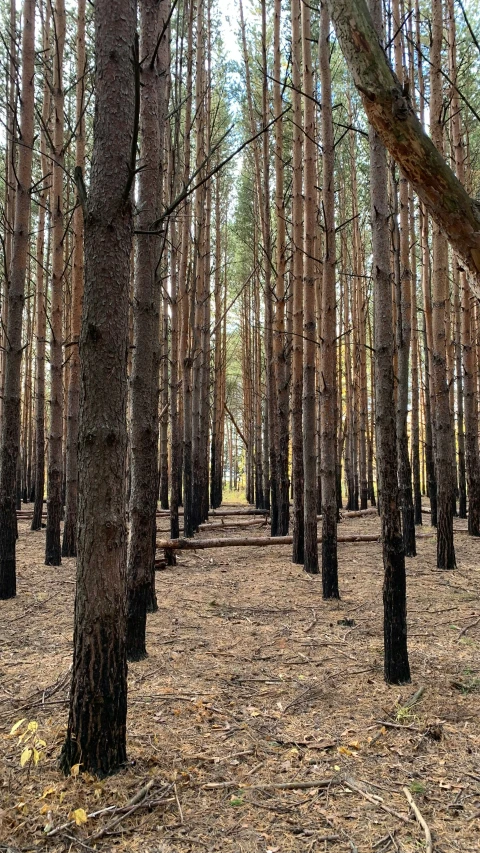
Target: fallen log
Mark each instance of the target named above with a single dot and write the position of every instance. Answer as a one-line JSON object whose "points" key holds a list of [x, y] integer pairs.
{"points": [[245, 541], [260, 541], [217, 513], [233, 524], [358, 513]]}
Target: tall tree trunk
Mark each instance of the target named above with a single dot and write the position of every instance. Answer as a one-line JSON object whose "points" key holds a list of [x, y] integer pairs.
{"points": [[328, 389], [69, 545], [41, 307], [279, 349], [443, 419], [404, 327], [297, 287], [417, 492], [11, 91], [53, 553], [145, 364], [10, 433], [466, 382], [96, 733], [396, 665], [218, 409], [309, 308], [185, 356], [271, 388]]}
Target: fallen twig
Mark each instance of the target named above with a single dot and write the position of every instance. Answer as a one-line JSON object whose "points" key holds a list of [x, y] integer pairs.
{"points": [[421, 820], [376, 801], [272, 786], [467, 627]]}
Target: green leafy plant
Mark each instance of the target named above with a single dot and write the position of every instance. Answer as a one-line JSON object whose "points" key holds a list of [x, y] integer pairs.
{"points": [[417, 788], [405, 715]]}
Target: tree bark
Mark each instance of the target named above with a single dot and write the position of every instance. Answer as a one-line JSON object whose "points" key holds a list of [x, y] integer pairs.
{"points": [[297, 287], [41, 296], [69, 544], [390, 113], [328, 389], [96, 734], [444, 439], [145, 364], [279, 348], [10, 431], [53, 552], [396, 665]]}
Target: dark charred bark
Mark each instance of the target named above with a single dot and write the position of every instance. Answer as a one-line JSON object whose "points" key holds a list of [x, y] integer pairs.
{"points": [[396, 665]]}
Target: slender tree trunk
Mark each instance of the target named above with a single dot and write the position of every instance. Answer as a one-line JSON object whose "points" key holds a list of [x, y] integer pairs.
{"points": [[11, 89], [40, 289], [417, 492], [96, 734], [443, 421], [396, 665], [69, 545], [279, 350], [328, 389], [41, 307], [10, 433], [145, 364], [185, 358], [309, 309], [467, 405], [297, 287], [53, 554]]}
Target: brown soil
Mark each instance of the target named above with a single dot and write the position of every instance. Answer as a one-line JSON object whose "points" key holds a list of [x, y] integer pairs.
{"points": [[253, 683]]}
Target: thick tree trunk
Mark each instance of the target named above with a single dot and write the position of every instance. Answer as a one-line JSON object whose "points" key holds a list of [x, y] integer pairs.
{"points": [[10, 432], [96, 734]]}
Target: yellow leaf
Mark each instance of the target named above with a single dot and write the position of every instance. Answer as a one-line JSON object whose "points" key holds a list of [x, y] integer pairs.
{"points": [[45, 809], [32, 726], [87, 777], [36, 756], [47, 792], [74, 770], [343, 750], [355, 744], [79, 816], [25, 756], [336, 767], [62, 796], [16, 727], [40, 743]]}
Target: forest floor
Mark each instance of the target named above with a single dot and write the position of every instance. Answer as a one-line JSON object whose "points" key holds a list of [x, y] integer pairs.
{"points": [[260, 717]]}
